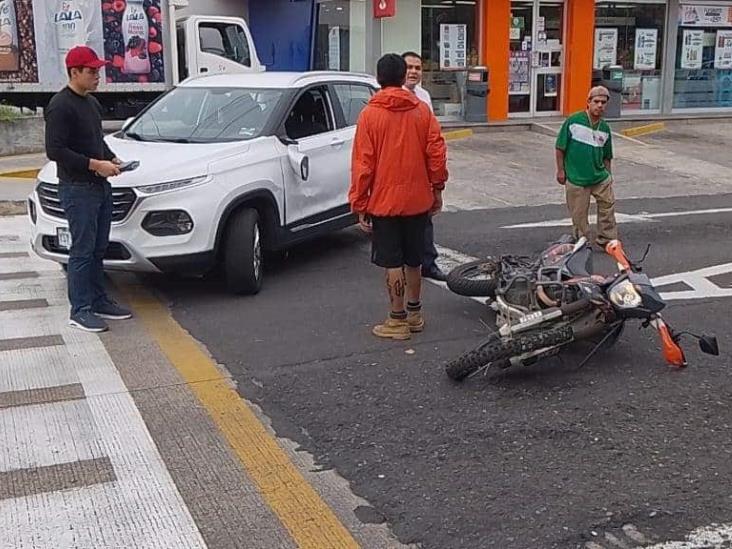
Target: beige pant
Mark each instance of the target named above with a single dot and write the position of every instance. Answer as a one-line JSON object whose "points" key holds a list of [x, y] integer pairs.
{"points": [[578, 202]]}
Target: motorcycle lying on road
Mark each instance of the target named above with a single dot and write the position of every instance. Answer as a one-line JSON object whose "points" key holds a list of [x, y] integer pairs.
{"points": [[543, 304]]}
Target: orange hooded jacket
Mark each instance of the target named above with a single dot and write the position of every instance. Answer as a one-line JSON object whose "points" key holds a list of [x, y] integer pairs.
{"points": [[399, 156]]}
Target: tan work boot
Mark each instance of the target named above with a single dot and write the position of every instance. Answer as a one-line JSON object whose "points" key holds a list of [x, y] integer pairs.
{"points": [[392, 329], [415, 321]]}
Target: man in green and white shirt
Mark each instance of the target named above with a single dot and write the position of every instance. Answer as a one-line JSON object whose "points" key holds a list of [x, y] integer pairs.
{"points": [[584, 152]]}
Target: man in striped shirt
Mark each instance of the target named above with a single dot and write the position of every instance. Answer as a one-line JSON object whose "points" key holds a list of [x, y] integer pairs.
{"points": [[584, 152]]}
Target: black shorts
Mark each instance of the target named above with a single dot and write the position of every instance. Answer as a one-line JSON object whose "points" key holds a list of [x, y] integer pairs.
{"points": [[398, 241]]}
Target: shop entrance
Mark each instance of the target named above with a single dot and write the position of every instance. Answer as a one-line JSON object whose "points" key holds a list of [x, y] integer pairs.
{"points": [[535, 58]]}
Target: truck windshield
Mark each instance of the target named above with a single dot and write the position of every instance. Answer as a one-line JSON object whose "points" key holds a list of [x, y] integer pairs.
{"points": [[206, 115]]}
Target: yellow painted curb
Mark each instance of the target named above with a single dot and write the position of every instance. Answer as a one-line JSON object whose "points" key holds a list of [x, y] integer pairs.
{"points": [[310, 522], [22, 174], [644, 130], [457, 134]]}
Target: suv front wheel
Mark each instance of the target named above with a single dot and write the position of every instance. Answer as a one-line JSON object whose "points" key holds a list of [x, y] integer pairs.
{"points": [[243, 252]]}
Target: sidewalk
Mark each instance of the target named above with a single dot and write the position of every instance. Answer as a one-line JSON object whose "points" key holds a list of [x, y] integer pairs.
{"points": [[114, 441], [17, 180]]}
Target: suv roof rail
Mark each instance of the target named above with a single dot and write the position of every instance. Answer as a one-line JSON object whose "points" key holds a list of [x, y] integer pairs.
{"points": [[334, 74]]}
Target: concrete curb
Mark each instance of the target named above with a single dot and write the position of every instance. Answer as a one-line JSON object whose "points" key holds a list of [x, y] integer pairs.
{"points": [[457, 134], [31, 173], [12, 207]]}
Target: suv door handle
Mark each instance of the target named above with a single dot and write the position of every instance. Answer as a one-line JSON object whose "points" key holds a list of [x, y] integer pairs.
{"points": [[204, 69], [337, 142]]}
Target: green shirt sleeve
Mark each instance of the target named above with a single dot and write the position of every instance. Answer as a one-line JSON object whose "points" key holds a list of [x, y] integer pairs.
{"points": [[563, 137], [607, 150]]}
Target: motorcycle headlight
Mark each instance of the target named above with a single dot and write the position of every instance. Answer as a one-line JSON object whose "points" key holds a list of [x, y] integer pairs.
{"points": [[625, 296], [171, 185]]}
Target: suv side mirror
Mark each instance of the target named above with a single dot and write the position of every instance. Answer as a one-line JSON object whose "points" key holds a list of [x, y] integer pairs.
{"points": [[299, 162]]}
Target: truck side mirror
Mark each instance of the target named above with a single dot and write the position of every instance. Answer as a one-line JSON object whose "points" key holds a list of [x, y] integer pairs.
{"points": [[299, 162]]}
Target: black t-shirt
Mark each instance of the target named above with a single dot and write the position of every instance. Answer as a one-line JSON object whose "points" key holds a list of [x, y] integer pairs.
{"points": [[74, 135]]}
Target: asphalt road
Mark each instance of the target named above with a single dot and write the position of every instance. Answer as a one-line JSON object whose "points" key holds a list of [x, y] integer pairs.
{"points": [[544, 457]]}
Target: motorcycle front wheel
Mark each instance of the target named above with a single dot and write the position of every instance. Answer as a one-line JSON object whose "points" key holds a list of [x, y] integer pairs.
{"points": [[497, 349], [475, 279]]}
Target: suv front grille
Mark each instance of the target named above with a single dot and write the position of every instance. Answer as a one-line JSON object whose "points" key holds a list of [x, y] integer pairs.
{"points": [[122, 201], [115, 250]]}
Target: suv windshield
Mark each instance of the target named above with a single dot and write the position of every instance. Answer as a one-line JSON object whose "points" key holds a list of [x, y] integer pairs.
{"points": [[206, 115]]}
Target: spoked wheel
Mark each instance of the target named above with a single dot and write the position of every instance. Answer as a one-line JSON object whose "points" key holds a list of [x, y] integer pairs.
{"points": [[496, 350], [475, 279]]}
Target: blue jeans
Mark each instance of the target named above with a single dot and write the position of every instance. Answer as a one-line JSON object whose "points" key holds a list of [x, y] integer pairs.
{"points": [[88, 208], [429, 259]]}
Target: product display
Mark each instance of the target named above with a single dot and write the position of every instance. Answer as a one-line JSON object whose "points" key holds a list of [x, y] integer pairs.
{"points": [[70, 28], [18, 61], [9, 51], [135, 34], [132, 41]]}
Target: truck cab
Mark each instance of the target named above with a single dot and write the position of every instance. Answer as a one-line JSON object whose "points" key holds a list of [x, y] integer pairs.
{"points": [[214, 45]]}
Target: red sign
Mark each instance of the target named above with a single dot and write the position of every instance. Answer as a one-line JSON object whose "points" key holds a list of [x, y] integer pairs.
{"points": [[384, 8]]}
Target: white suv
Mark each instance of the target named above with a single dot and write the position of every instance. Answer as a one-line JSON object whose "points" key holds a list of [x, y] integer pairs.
{"points": [[229, 165]]}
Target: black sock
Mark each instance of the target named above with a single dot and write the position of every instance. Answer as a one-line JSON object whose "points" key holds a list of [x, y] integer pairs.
{"points": [[401, 315], [414, 306]]}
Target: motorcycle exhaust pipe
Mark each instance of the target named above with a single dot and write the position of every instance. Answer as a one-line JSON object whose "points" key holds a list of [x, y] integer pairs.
{"points": [[538, 317]]}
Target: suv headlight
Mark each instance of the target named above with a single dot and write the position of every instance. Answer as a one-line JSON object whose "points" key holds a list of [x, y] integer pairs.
{"points": [[171, 185], [625, 296]]}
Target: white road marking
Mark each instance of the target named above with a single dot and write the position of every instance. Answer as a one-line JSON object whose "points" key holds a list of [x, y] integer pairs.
{"points": [[642, 217], [698, 280], [706, 537]]}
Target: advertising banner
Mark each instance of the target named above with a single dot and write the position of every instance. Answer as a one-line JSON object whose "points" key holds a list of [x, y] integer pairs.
{"points": [[606, 47], [59, 26], [518, 72], [723, 50], [384, 8], [453, 46], [18, 60], [692, 48], [126, 33], [646, 43], [705, 16]]}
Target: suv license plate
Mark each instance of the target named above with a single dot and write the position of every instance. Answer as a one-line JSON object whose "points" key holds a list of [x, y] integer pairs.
{"points": [[63, 238]]}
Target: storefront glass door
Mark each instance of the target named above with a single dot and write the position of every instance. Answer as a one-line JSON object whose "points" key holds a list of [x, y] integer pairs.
{"points": [[535, 62]]}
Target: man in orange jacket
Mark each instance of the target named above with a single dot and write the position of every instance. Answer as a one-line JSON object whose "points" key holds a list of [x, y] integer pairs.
{"points": [[398, 172]]}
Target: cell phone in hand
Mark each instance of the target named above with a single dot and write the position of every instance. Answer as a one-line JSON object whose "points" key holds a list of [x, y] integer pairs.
{"points": [[129, 166]]}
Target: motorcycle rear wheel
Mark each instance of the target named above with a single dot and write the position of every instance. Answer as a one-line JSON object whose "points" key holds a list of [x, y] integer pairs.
{"points": [[463, 279], [503, 349]]}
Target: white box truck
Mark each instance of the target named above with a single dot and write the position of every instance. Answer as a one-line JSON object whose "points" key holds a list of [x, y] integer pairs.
{"points": [[150, 45]]}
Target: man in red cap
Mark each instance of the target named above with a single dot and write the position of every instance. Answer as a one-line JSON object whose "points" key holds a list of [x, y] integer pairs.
{"points": [[75, 141]]}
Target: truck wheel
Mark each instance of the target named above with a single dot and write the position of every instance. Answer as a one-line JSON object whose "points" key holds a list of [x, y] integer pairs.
{"points": [[243, 253]]}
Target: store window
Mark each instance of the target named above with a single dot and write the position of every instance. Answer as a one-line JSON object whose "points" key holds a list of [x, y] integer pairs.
{"points": [[450, 44], [703, 75], [340, 28], [632, 36]]}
